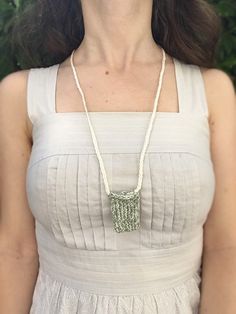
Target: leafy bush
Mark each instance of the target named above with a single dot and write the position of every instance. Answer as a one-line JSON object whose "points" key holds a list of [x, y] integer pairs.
{"points": [[226, 55], [8, 62]]}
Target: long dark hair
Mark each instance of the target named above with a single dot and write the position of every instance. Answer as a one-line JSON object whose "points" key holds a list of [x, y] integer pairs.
{"points": [[48, 30]]}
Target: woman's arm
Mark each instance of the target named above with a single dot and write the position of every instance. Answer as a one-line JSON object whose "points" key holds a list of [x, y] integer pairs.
{"points": [[219, 255], [18, 251]]}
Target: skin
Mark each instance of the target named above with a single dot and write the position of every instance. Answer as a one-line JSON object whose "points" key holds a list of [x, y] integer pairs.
{"points": [[118, 64]]}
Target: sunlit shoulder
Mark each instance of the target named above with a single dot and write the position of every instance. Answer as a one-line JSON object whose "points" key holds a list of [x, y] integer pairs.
{"points": [[220, 92], [13, 98]]}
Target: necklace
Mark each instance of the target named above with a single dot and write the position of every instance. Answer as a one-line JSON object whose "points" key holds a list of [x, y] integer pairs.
{"points": [[125, 205]]}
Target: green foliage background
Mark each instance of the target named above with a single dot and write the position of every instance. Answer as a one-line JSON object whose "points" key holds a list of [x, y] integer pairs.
{"points": [[226, 55]]}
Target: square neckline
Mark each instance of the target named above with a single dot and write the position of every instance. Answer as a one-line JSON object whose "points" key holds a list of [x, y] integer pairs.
{"points": [[83, 113]]}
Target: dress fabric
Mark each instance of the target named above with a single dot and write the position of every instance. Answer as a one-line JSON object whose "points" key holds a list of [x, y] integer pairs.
{"points": [[85, 266]]}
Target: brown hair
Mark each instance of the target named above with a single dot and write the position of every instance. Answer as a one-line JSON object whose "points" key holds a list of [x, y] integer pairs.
{"points": [[48, 30]]}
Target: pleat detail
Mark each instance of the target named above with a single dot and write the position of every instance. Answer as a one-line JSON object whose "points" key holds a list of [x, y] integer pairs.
{"points": [[67, 196]]}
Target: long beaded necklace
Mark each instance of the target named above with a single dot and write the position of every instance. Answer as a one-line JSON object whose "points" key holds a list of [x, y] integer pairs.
{"points": [[125, 205]]}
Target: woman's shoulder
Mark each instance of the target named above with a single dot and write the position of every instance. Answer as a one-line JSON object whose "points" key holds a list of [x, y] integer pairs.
{"points": [[13, 87], [15, 83], [220, 91], [14, 80], [13, 97]]}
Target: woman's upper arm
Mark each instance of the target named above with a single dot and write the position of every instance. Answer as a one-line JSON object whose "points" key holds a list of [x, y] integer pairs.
{"points": [[220, 227], [16, 221]]}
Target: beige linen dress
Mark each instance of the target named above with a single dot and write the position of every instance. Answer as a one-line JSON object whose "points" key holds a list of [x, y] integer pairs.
{"points": [[85, 266]]}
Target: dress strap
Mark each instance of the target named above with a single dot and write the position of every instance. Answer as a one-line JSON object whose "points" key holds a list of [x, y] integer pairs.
{"points": [[41, 87], [191, 89]]}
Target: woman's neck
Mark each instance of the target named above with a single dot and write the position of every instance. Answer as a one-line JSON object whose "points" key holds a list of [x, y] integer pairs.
{"points": [[118, 32]]}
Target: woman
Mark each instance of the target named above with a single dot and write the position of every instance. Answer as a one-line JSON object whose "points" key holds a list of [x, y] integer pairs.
{"points": [[66, 247]]}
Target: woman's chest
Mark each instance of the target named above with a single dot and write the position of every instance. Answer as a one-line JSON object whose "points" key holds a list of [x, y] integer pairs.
{"points": [[66, 190]]}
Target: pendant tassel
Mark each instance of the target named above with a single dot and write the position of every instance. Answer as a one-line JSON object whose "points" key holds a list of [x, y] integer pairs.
{"points": [[125, 208]]}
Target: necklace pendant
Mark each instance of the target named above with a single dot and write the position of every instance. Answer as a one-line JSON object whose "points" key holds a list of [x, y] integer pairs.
{"points": [[125, 209]]}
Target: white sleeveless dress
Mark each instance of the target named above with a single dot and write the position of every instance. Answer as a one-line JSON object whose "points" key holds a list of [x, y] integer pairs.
{"points": [[85, 266]]}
